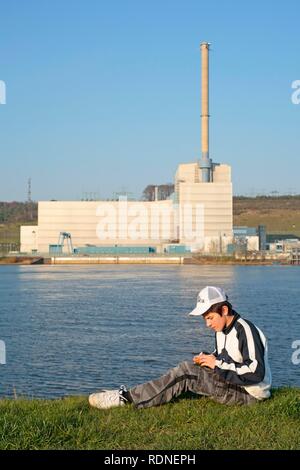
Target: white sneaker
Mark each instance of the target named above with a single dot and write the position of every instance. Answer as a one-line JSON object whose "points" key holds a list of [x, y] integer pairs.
{"points": [[107, 399]]}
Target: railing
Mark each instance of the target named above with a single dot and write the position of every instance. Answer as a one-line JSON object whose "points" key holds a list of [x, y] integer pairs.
{"points": [[295, 256]]}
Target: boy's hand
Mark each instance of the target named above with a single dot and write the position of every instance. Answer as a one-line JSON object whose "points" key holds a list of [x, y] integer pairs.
{"points": [[205, 360]]}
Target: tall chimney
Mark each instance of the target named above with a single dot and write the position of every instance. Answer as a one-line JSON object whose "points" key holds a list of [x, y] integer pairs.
{"points": [[205, 162]]}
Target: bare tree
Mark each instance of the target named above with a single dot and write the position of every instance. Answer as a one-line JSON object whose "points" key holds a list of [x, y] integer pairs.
{"points": [[164, 191]]}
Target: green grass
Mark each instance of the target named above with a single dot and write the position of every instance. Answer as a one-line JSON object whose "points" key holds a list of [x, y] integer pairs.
{"points": [[187, 424], [279, 214], [10, 232]]}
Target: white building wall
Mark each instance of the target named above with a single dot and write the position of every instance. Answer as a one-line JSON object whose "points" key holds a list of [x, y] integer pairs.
{"points": [[205, 208], [29, 238], [216, 199], [105, 222], [252, 243], [222, 174]]}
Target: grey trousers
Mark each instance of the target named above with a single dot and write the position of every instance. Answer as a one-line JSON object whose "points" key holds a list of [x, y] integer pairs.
{"points": [[188, 377]]}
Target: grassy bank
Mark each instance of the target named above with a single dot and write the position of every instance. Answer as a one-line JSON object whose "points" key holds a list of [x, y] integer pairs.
{"points": [[185, 424], [231, 260], [278, 214]]}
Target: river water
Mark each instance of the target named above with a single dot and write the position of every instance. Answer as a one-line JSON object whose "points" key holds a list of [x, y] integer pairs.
{"points": [[70, 330]]}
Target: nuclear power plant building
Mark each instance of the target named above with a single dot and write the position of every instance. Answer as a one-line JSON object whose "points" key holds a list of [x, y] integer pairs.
{"points": [[198, 216]]}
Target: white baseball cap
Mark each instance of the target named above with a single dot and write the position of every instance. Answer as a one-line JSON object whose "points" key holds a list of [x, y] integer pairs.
{"points": [[207, 297]]}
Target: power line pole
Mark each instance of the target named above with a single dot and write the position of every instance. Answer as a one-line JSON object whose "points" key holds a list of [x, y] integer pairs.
{"points": [[29, 200], [29, 191]]}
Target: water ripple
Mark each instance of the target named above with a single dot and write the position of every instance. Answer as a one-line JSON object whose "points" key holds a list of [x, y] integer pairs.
{"points": [[73, 329]]}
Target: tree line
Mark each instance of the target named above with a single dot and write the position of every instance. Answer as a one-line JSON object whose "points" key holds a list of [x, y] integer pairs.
{"points": [[14, 212]]}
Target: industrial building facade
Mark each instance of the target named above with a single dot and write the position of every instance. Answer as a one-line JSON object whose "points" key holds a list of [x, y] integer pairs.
{"points": [[199, 216]]}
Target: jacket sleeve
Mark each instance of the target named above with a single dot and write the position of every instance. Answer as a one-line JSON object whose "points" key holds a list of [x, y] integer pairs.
{"points": [[215, 351], [252, 368]]}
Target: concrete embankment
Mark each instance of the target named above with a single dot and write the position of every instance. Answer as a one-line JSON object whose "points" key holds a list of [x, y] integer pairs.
{"points": [[174, 260], [118, 260], [150, 260], [22, 260]]}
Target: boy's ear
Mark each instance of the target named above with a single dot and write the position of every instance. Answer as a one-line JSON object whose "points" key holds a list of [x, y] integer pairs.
{"points": [[225, 310]]}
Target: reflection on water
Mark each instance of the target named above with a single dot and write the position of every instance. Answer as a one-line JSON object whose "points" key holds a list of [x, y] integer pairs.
{"points": [[73, 329]]}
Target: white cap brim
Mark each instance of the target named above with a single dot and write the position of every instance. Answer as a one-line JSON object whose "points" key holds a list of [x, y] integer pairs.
{"points": [[199, 310]]}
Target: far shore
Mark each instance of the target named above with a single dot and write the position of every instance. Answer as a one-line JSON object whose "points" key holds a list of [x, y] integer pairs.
{"points": [[149, 260]]}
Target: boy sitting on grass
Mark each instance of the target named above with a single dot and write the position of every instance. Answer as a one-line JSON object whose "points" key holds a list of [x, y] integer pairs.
{"points": [[236, 372]]}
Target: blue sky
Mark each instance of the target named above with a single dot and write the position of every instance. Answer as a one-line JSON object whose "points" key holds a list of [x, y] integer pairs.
{"points": [[105, 96]]}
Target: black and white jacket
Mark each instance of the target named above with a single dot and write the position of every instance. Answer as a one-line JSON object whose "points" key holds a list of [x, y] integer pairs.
{"points": [[242, 357]]}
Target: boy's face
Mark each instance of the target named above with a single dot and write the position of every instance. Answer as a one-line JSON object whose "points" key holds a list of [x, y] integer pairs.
{"points": [[218, 322], [215, 321]]}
